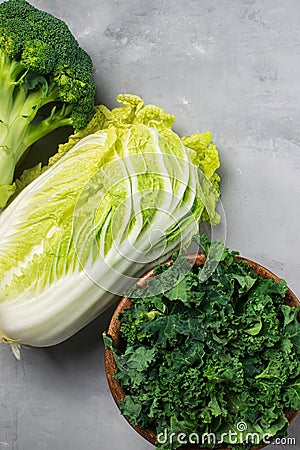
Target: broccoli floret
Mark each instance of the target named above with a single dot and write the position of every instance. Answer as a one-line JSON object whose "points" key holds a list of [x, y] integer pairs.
{"points": [[43, 68]]}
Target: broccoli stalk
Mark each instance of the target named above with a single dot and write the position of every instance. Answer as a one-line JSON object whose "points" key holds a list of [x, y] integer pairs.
{"points": [[46, 82]]}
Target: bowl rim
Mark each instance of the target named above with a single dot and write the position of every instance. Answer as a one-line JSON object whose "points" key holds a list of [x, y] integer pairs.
{"points": [[114, 326]]}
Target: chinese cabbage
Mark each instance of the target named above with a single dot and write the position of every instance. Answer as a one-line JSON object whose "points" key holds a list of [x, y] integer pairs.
{"points": [[120, 196]]}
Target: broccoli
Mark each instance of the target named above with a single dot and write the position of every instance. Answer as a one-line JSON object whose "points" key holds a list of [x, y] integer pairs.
{"points": [[46, 82]]}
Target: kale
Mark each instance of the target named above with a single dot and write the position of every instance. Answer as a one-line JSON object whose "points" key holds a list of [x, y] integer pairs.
{"points": [[208, 354]]}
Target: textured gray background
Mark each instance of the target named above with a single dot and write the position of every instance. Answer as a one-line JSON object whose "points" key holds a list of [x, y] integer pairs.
{"points": [[231, 66]]}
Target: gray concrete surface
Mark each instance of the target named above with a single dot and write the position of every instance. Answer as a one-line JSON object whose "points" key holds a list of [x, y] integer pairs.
{"points": [[231, 66]]}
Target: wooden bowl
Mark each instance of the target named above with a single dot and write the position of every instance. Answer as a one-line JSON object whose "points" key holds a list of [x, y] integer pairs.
{"points": [[114, 326]]}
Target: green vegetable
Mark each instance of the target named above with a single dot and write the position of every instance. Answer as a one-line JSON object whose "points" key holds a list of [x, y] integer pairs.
{"points": [[206, 357], [46, 82], [121, 195]]}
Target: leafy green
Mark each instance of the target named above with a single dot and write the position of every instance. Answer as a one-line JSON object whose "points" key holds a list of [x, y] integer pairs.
{"points": [[90, 219], [223, 351]]}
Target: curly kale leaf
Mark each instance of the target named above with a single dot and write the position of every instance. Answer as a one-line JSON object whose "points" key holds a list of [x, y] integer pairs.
{"points": [[203, 356]]}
